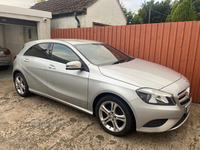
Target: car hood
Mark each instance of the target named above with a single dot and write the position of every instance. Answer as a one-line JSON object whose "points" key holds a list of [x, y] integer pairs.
{"points": [[141, 73]]}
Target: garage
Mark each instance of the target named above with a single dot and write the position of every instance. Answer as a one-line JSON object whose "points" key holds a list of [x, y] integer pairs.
{"points": [[21, 25]]}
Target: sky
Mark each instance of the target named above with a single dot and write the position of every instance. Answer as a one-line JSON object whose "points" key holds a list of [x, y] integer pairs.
{"points": [[133, 5]]}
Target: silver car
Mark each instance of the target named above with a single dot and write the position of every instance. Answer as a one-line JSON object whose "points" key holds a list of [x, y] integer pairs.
{"points": [[124, 93], [5, 57]]}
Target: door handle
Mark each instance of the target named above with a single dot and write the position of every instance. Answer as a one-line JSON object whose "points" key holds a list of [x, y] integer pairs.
{"points": [[26, 60], [52, 67]]}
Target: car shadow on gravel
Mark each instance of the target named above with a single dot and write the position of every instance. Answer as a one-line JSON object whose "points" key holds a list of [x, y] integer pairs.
{"points": [[5, 73]]}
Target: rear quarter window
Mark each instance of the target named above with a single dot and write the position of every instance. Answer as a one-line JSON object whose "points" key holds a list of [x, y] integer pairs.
{"points": [[39, 50]]}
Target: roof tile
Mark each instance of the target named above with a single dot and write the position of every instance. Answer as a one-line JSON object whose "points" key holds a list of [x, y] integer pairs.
{"points": [[60, 6]]}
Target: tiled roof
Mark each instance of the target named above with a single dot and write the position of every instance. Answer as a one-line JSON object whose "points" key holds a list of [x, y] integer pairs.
{"points": [[60, 6]]}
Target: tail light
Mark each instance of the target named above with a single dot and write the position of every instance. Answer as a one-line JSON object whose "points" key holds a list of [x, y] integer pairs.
{"points": [[14, 58], [7, 52]]}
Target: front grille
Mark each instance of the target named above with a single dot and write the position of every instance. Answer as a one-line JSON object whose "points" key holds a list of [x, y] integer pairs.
{"points": [[184, 96]]}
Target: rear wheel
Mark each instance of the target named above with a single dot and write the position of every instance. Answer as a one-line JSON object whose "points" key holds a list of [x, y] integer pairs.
{"points": [[114, 116], [21, 85]]}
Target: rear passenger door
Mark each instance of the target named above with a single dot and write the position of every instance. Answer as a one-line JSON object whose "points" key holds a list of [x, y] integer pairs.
{"points": [[67, 85], [33, 62]]}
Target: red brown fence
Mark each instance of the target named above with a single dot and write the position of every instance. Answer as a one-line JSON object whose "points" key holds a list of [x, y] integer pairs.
{"points": [[175, 45]]}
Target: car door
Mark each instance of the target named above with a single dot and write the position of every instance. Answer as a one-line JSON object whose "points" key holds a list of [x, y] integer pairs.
{"points": [[67, 85], [33, 64]]}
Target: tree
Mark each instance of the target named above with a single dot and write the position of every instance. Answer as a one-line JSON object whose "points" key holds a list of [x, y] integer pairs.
{"points": [[159, 13], [172, 11], [129, 14], [137, 19], [196, 4], [183, 10]]}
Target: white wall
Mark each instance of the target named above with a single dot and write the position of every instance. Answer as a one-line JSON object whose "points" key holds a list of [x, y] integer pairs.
{"points": [[68, 22], [31, 15], [107, 12], [103, 11], [44, 29]]}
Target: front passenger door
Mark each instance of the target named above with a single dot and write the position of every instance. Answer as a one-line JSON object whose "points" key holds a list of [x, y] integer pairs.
{"points": [[67, 85]]}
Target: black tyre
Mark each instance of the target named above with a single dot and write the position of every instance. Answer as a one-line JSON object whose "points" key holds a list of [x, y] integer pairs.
{"points": [[21, 85], [114, 116]]}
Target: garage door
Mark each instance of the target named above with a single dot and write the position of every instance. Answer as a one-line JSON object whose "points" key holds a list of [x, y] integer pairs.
{"points": [[15, 33]]}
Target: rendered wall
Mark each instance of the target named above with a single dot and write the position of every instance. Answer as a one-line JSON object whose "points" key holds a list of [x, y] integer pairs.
{"points": [[106, 12], [68, 22]]}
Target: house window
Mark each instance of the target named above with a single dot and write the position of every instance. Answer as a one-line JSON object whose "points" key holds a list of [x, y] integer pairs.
{"points": [[96, 24], [29, 33]]}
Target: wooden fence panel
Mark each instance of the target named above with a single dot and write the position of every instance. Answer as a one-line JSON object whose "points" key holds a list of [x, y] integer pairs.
{"points": [[175, 45], [165, 44], [127, 39], [153, 42], [123, 36], [132, 41]]}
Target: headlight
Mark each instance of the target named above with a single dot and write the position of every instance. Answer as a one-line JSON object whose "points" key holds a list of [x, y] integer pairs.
{"points": [[153, 96]]}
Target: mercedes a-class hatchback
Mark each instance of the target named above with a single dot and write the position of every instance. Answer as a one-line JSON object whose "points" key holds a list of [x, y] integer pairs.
{"points": [[124, 93]]}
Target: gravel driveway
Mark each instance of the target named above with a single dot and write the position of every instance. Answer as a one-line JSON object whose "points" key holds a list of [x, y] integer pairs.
{"points": [[40, 123]]}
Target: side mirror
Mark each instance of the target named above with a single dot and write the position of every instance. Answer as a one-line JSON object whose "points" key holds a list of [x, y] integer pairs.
{"points": [[74, 65]]}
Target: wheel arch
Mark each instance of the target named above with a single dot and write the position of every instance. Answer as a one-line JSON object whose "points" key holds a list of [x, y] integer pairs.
{"points": [[15, 72], [98, 97]]}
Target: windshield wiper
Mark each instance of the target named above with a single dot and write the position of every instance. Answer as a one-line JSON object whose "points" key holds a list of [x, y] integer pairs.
{"points": [[121, 61], [117, 62]]}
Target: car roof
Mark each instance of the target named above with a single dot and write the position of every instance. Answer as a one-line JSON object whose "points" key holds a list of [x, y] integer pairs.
{"points": [[70, 41], [78, 41]]}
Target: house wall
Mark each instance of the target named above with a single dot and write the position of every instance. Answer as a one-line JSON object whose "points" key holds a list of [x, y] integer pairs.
{"points": [[30, 15], [105, 12], [68, 22]]}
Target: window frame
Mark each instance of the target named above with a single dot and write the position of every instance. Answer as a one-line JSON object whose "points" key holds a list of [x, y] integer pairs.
{"points": [[51, 51], [82, 62]]}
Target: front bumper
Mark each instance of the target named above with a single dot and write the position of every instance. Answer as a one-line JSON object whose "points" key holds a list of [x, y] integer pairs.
{"points": [[154, 118]]}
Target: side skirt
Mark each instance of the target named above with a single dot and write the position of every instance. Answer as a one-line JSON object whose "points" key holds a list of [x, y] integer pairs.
{"points": [[61, 101]]}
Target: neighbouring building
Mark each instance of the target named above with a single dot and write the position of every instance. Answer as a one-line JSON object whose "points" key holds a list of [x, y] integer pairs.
{"points": [[20, 25], [83, 13]]}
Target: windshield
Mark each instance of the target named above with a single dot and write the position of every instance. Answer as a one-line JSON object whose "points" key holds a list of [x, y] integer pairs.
{"points": [[102, 54]]}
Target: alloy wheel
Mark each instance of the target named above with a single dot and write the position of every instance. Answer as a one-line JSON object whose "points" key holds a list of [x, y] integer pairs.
{"points": [[112, 116], [20, 85]]}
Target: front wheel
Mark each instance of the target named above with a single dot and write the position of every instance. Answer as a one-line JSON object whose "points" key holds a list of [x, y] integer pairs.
{"points": [[21, 85], [114, 116]]}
